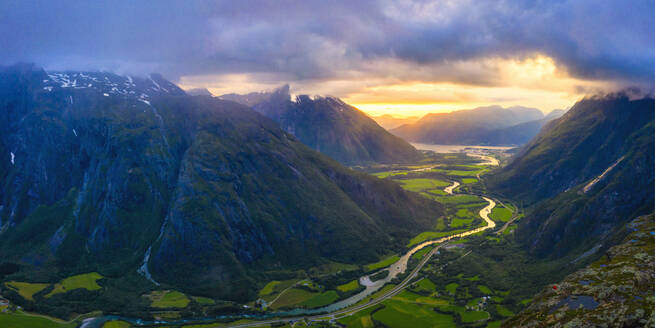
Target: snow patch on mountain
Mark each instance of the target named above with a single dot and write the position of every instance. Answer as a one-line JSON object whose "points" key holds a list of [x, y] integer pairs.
{"points": [[111, 84]]}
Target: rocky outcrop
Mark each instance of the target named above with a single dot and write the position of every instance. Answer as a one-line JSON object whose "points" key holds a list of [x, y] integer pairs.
{"points": [[616, 291]]}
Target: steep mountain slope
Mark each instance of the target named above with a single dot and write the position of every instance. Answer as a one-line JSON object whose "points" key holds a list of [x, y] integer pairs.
{"points": [[617, 290], [585, 174], [331, 126], [391, 122], [107, 173], [468, 127]]}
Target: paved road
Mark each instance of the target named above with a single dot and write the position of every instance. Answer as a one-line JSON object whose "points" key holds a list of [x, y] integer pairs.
{"points": [[397, 289], [484, 214], [515, 216]]}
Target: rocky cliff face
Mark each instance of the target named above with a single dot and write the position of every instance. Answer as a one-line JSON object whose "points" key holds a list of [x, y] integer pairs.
{"points": [[331, 126], [110, 173], [586, 174]]}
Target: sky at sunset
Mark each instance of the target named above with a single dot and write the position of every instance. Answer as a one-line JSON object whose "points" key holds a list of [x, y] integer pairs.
{"points": [[403, 58]]}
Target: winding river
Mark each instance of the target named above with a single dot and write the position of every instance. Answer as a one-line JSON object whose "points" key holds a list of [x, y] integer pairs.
{"points": [[345, 305], [449, 189], [341, 306]]}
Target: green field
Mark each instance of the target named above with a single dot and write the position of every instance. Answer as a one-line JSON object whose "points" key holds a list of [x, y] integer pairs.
{"points": [[321, 299], [438, 192], [429, 235], [469, 180], [459, 199], [361, 319], [168, 299], [419, 254], [485, 290], [473, 302], [465, 217], [474, 278], [473, 316], [21, 320], [386, 174], [463, 213], [452, 288], [503, 311], [273, 288], [86, 281], [407, 296], [466, 316], [425, 285], [383, 264], [494, 324], [352, 285], [332, 267], [204, 300], [501, 214], [269, 288], [458, 223], [422, 184], [292, 297], [461, 173], [26, 289], [400, 314], [116, 324]]}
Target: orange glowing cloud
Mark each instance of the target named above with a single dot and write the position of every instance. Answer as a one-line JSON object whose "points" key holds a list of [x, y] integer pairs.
{"points": [[389, 86]]}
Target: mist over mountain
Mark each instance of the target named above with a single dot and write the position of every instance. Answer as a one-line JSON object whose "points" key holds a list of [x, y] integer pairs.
{"points": [[518, 134], [116, 174], [199, 92], [492, 125], [330, 126], [389, 122], [585, 175]]}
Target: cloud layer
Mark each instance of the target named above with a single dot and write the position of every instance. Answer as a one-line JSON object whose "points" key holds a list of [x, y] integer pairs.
{"points": [[315, 40]]}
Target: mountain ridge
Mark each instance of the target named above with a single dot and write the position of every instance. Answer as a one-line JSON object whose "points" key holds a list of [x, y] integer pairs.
{"points": [[477, 126], [584, 175], [330, 126], [132, 169]]}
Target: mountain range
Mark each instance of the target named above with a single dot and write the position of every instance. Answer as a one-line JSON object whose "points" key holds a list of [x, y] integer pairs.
{"points": [[330, 126], [120, 174], [491, 126], [389, 122], [585, 175]]}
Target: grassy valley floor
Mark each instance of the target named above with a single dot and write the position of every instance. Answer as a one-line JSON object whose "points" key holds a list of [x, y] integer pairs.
{"points": [[477, 281]]}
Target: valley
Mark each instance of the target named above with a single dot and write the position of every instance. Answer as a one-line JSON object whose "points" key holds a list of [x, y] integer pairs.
{"points": [[147, 207], [327, 164], [471, 217]]}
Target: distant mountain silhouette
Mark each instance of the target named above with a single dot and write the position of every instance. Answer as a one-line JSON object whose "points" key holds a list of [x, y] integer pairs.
{"points": [[479, 126]]}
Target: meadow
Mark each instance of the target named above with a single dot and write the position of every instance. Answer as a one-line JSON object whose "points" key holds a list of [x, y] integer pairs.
{"points": [[23, 320], [168, 299], [86, 281]]}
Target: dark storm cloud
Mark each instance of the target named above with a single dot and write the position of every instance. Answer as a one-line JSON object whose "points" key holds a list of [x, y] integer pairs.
{"points": [[606, 40]]}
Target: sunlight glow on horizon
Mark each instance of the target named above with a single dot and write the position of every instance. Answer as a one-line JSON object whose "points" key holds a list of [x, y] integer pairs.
{"points": [[535, 81]]}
